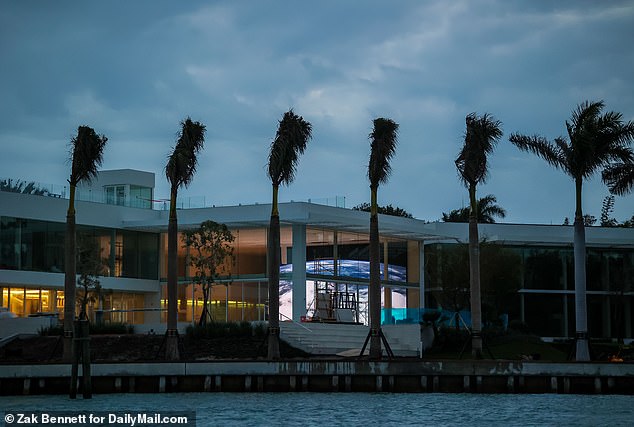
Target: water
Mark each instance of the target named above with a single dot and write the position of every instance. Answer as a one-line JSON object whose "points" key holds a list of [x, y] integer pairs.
{"points": [[356, 409]]}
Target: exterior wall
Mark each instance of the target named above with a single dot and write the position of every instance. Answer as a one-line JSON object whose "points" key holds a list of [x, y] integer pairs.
{"points": [[537, 261], [124, 187]]}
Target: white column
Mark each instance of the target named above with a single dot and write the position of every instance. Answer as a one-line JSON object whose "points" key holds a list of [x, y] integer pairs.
{"points": [[421, 274], [299, 271]]}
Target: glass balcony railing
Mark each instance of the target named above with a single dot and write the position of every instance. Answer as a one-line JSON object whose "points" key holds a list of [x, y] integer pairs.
{"points": [[98, 196]]}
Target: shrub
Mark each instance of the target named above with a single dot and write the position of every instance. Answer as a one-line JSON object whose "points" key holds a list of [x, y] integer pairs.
{"points": [[55, 330], [118, 328], [224, 329], [519, 326]]}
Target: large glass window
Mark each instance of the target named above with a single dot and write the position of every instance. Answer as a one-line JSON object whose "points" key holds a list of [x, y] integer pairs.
{"points": [[544, 314], [249, 251], [543, 269], [27, 244]]}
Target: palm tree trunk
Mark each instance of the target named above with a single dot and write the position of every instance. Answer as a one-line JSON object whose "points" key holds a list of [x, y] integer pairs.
{"points": [[69, 276], [171, 343], [474, 277], [274, 280], [374, 290], [582, 353]]}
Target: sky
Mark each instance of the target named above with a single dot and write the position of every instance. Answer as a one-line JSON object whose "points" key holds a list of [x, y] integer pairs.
{"points": [[133, 70]]}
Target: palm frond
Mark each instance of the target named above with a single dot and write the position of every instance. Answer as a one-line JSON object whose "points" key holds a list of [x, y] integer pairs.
{"points": [[86, 154], [481, 135], [290, 142], [584, 116], [541, 147], [182, 163], [612, 132], [383, 141], [596, 141], [619, 178]]}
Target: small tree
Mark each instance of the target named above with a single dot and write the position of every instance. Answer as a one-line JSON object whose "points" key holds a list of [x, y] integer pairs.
{"points": [[607, 208], [212, 257], [89, 267]]}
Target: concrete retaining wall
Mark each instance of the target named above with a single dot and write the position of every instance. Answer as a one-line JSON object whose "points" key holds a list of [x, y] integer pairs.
{"points": [[329, 376]]}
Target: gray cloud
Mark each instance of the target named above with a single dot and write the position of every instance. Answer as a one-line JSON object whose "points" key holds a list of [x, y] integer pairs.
{"points": [[133, 70]]}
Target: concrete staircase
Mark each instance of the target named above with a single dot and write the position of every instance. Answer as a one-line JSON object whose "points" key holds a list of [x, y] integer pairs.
{"points": [[335, 338]]}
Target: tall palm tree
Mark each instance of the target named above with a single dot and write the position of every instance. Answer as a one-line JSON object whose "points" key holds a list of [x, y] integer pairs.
{"points": [[290, 142], [487, 211], [180, 170], [595, 141], [383, 140], [86, 157], [481, 135], [620, 178]]}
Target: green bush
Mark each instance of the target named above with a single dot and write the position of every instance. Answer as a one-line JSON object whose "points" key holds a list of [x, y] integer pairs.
{"points": [[51, 331], [451, 339], [118, 328], [225, 329], [519, 326]]}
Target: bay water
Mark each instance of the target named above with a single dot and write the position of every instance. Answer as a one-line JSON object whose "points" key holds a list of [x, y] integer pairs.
{"points": [[354, 409]]}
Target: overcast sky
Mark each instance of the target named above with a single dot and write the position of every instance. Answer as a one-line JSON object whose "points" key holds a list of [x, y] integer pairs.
{"points": [[134, 69]]}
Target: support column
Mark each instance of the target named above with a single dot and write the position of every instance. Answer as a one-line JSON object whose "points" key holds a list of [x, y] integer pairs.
{"points": [[627, 316], [607, 316], [387, 291], [335, 254], [113, 253], [565, 297], [421, 274], [299, 271]]}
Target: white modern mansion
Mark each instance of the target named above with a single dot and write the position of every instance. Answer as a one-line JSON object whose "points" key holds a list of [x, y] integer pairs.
{"points": [[527, 270]]}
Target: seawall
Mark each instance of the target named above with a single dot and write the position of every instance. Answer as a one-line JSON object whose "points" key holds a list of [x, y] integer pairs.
{"points": [[329, 376]]}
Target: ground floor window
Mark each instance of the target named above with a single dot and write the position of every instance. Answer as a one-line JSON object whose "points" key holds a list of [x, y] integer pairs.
{"points": [[124, 307], [248, 301], [235, 301], [26, 301]]}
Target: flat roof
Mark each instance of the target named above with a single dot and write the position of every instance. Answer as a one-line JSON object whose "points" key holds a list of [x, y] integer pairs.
{"points": [[310, 214]]}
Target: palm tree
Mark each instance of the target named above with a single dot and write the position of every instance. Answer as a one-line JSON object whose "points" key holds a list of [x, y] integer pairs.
{"points": [[595, 141], [86, 157], [481, 135], [487, 211], [383, 140], [620, 178], [180, 170], [290, 142]]}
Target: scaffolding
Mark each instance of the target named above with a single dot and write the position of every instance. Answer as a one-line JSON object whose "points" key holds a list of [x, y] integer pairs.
{"points": [[330, 303]]}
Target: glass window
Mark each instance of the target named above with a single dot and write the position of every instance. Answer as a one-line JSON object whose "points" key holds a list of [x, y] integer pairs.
{"points": [[136, 255], [9, 243], [109, 195], [249, 251], [120, 195], [543, 269], [544, 314], [140, 197]]}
